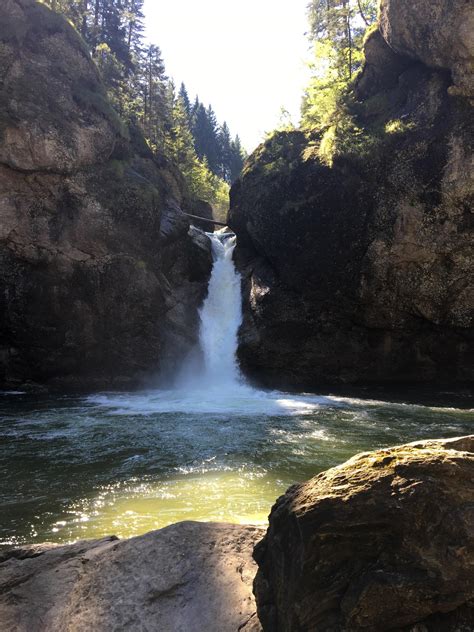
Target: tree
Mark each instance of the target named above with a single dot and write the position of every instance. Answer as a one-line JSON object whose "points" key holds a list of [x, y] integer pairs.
{"points": [[336, 29], [205, 136], [183, 94], [237, 161], [225, 152], [140, 91], [156, 100]]}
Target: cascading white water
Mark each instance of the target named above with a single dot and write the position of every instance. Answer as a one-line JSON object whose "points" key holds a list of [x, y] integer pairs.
{"points": [[212, 382], [221, 315]]}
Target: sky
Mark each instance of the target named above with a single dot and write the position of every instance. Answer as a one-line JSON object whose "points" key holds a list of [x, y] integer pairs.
{"points": [[247, 58]]}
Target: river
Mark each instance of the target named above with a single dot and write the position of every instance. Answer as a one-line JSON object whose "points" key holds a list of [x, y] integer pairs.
{"points": [[210, 448]]}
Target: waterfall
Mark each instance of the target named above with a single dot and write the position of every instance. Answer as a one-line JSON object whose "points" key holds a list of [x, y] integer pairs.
{"points": [[221, 315]]}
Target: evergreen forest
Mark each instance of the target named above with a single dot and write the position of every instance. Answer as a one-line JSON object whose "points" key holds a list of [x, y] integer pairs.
{"points": [[186, 131]]}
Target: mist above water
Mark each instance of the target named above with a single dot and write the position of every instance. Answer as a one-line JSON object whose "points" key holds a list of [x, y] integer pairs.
{"points": [[210, 380]]}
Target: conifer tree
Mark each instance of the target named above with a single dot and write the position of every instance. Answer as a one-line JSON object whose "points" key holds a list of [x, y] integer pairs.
{"points": [[336, 30], [156, 114], [183, 94], [237, 160], [140, 91], [226, 153]]}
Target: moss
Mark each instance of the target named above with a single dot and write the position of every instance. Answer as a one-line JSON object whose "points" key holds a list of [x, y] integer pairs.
{"points": [[280, 153], [46, 21], [117, 168], [373, 28], [376, 105], [138, 142], [347, 138], [397, 126]]}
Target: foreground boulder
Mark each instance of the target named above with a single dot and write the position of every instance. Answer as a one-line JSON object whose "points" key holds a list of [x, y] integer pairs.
{"points": [[100, 275], [355, 239], [382, 542], [188, 577]]}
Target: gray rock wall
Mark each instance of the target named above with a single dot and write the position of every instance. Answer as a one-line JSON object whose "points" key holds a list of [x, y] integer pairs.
{"points": [[100, 276], [358, 266]]}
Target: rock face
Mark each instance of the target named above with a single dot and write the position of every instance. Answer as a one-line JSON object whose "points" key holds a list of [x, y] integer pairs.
{"points": [[100, 275], [355, 241], [204, 210], [190, 576], [439, 33], [382, 542]]}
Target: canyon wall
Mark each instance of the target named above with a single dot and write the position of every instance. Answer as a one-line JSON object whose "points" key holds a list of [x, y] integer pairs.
{"points": [[355, 240], [100, 273]]}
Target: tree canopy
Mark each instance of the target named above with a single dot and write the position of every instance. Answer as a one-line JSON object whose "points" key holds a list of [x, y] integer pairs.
{"points": [[337, 29], [140, 90]]}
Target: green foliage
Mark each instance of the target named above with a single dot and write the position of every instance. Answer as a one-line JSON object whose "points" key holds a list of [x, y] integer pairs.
{"points": [[397, 126], [337, 30], [202, 183], [141, 93], [346, 138]]}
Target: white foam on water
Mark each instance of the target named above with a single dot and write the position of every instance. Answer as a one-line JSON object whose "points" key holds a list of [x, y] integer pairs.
{"points": [[240, 400], [216, 385]]}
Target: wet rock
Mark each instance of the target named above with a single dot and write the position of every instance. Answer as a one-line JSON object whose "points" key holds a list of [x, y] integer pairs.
{"points": [[190, 576], [383, 542]]}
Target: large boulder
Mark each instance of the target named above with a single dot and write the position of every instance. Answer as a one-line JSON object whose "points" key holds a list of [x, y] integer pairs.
{"points": [[382, 542], [355, 240], [188, 577], [440, 33], [100, 276]]}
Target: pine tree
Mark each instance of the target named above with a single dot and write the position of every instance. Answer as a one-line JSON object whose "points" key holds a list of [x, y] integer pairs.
{"points": [[336, 30], [183, 94], [133, 18], [225, 151], [200, 128], [156, 114], [237, 160]]}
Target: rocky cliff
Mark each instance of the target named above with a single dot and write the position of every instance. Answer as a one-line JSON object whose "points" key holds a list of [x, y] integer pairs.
{"points": [[100, 273], [355, 241]]}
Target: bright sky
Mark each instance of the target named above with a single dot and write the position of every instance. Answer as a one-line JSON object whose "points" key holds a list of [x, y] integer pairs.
{"points": [[245, 57]]}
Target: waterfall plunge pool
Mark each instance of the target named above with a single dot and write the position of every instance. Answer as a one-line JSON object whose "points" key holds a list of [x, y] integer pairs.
{"points": [[75, 468], [212, 448]]}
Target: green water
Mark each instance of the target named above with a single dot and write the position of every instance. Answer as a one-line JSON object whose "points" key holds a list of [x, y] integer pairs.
{"points": [[76, 467]]}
